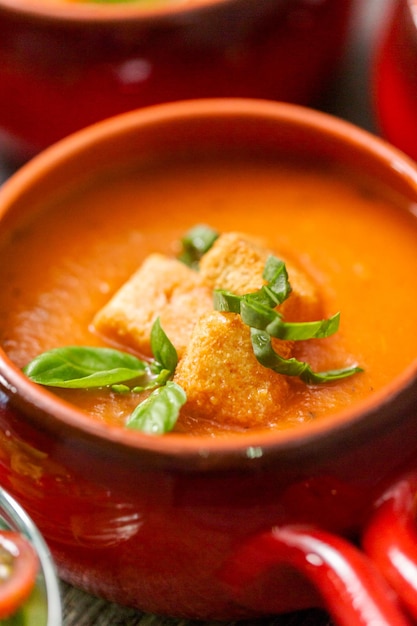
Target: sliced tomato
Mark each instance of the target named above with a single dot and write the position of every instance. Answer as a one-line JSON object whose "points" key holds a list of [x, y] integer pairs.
{"points": [[19, 565]]}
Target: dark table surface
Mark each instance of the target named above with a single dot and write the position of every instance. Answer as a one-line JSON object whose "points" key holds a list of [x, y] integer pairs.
{"points": [[350, 98]]}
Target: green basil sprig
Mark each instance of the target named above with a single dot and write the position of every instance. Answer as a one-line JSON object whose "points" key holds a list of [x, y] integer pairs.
{"points": [[195, 243], [159, 412], [257, 310], [266, 355], [81, 367], [277, 288], [165, 355]]}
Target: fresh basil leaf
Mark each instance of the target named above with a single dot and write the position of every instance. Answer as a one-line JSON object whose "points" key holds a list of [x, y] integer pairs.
{"points": [[265, 296], [163, 351], [226, 301], [266, 355], [158, 414], [298, 331], [196, 242], [255, 313], [268, 296], [278, 286], [79, 367], [317, 378]]}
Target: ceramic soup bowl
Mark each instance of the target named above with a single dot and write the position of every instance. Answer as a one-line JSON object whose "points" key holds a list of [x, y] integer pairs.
{"points": [[271, 493], [65, 64], [395, 84]]}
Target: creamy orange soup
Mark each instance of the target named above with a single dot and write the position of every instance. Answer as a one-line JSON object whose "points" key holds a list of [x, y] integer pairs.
{"points": [[357, 244]]}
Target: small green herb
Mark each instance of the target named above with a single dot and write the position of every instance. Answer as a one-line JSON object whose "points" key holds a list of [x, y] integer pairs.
{"points": [[266, 355], [226, 301], [159, 412], [257, 310], [164, 353], [195, 243], [260, 317], [79, 367], [120, 388], [278, 287], [298, 331]]}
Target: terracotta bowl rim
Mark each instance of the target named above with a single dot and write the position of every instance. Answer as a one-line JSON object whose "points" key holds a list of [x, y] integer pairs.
{"points": [[246, 446], [95, 13]]}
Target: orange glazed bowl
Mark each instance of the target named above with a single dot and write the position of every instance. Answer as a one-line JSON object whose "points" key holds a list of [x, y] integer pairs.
{"points": [[65, 64], [237, 512]]}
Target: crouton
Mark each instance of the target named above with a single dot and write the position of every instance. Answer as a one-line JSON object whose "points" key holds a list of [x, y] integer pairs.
{"points": [[223, 380], [162, 287], [236, 263]]}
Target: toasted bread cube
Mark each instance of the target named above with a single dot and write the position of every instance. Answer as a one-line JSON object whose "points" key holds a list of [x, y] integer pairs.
{"points": [[223, 380], [162, 287], [236, 263]]}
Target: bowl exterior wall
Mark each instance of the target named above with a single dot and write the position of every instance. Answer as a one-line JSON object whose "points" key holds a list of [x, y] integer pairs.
{"points": [[159, 538]]}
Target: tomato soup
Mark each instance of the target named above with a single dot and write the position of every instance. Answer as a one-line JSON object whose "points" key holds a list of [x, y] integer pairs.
{"points": [[357, 243]]}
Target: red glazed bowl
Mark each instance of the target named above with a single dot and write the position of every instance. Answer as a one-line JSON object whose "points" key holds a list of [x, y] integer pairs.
{"points": [[64, 64], [231, 527], [395, 78]]}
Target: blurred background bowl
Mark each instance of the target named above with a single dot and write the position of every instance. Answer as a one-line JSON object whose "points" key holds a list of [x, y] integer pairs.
{"points": [[65, 64], [43, 608], [395, 78]]}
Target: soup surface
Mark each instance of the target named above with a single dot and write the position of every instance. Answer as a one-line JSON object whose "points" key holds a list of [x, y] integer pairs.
{"points": [[358, 245]]}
